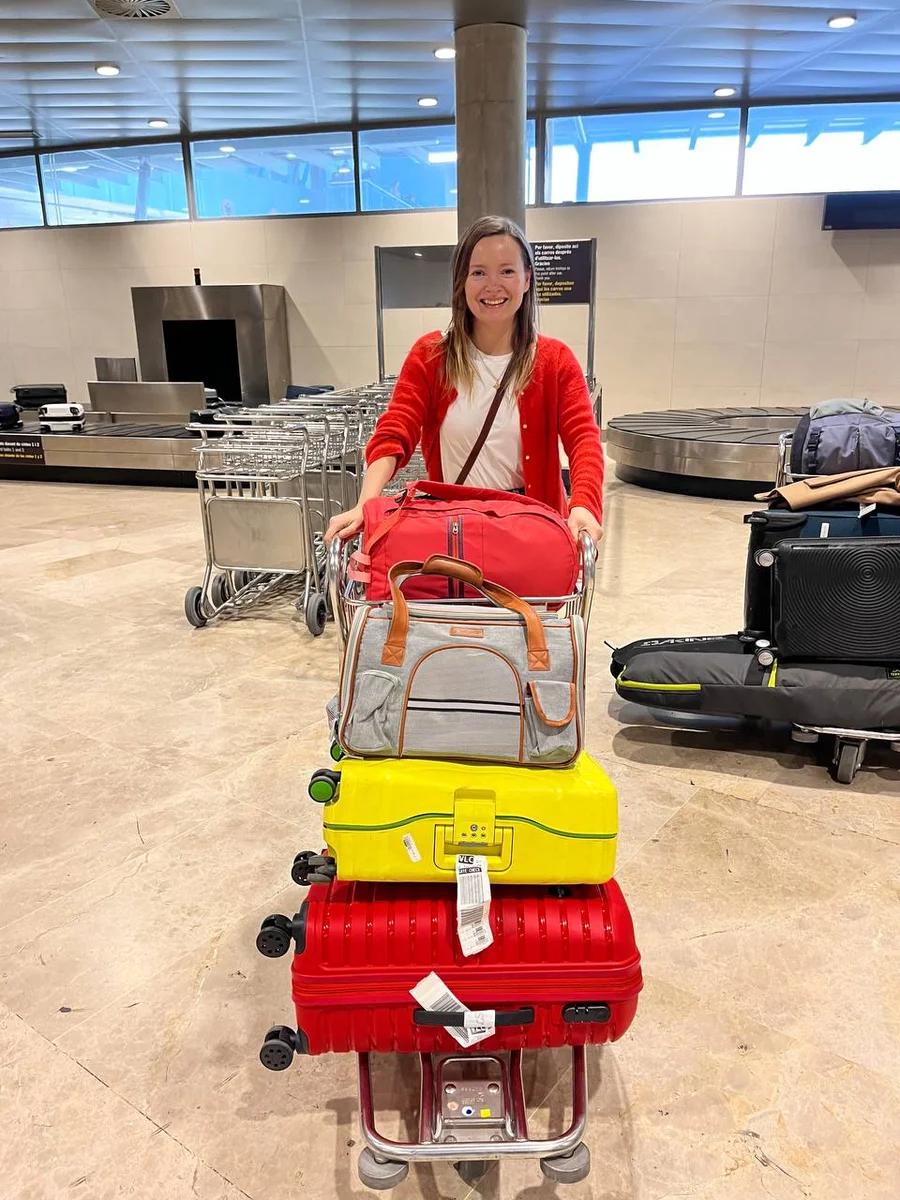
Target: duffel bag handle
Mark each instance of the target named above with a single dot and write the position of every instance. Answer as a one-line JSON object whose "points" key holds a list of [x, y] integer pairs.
{"points": [[457, 1020], [394, 650], [445, 491]]}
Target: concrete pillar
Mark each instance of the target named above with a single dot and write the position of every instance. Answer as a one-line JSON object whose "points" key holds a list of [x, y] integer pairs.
{"points": [[490, 122]]}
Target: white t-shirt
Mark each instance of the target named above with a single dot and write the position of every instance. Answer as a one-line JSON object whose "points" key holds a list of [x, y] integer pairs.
{"points": [[499, 465]]}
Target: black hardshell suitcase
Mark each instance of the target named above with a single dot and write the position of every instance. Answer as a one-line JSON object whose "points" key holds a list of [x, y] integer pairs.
{"points": [[770, 527], [836, 599], [36, 395]]}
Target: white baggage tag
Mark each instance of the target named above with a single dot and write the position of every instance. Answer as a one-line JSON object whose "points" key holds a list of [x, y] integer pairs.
{"points": [[411, 848], [434, 995], [473, 904], [865, 509]]}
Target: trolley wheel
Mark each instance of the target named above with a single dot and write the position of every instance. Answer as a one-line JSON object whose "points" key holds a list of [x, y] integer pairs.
{"points": [[471, 1170], [847, 760], [241, 579], [274, 937], [316, 614], [193, 607], [278, 1048], [219, 590], [324, 785], [568, 1168], [380, 1175], [336, 752]]}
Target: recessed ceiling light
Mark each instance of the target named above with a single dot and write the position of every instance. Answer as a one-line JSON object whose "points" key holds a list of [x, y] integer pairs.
{"points": [[445, 52], [427, 102], [69, 170], [107, 69], [724, 92], [417, 253], [226, 149], [290, 156], [715, 116], [158, 123], [844, 21]]}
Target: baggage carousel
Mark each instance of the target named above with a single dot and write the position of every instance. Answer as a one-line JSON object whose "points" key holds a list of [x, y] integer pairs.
{"points": [[103, 453], [726, 453]]}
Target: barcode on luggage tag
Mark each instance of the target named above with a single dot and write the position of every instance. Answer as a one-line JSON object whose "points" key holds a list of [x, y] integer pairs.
{"points": [[434, 995], [473, 904], [411, 848]]}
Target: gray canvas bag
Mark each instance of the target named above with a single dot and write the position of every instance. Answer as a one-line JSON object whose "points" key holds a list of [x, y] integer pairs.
{"points": [[845, 435], [502, 684]]}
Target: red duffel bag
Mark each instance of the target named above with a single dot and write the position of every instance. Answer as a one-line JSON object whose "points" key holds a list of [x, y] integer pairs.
{"points": [[520, 543]]}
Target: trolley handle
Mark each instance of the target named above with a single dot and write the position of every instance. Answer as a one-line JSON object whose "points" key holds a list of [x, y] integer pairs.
{"points": [[456, 1020]]}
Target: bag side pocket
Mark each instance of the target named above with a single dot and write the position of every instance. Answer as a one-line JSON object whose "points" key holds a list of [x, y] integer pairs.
{"points": [[373, 722], [550, 721]]}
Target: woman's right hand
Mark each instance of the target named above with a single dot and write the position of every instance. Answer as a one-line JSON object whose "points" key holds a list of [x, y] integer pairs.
{"points": [[345, 525]]}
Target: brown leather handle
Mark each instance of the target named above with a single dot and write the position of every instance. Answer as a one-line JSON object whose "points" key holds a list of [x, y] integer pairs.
{"points": [[394, 650]]}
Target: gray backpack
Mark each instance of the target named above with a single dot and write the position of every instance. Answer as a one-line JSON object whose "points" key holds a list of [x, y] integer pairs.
{"points": [[845, 435]]}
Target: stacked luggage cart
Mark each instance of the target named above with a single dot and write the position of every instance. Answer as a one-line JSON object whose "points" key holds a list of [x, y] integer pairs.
{"points": [[464, 907], [270, 479], [819, 650]]}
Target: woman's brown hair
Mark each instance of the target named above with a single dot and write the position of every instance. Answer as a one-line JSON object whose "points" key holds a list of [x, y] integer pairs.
{"points": [[455, 344]]}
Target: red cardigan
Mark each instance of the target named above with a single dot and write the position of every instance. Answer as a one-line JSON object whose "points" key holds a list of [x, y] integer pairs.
{"points": [[556, 404]]}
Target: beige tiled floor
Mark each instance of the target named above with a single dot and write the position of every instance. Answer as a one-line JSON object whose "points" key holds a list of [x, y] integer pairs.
{"points": [[152, 798]]}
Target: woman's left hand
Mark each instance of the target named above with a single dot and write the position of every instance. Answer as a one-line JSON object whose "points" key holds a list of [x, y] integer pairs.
{"points": [[583, 518]]}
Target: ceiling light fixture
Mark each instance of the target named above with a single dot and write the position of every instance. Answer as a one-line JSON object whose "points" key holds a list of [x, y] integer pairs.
{"points": [[724, 92], [290, 156], [417, 253], [844, 21], [445, 53], [427, 102], [226, 149], [107, 69], [158, 123], [715, 116]]}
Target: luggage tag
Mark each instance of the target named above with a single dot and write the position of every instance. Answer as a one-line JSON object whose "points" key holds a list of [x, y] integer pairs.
{"points": [[865, 509], [434, 995], [411, 848], [473, 904]]}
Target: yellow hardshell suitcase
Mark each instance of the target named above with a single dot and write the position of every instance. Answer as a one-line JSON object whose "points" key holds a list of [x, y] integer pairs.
{"points": [[406, 820]]}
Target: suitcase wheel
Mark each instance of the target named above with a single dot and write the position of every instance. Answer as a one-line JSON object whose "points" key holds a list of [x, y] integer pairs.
{"points": [[274, 937], [336, 752], [568, 1168], [278, 1048], [324, 785], [313, 868], [379, 1174]]}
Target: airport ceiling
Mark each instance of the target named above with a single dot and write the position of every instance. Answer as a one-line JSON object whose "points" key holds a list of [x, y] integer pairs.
{"points": [[232, 65]]}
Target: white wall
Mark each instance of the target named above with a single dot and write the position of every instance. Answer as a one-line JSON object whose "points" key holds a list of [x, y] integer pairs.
{"points": [[737, 301]]}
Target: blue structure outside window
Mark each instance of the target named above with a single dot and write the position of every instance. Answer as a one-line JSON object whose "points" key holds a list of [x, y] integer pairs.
{"points": [[408, 168], [642, 156], [20, 198], [274, 176], [116, 184], [845, 147]]}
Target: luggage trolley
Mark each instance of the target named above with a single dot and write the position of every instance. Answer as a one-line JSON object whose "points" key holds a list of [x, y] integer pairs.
{"points": [[261, 528], [454, 1088], [850, 745]]}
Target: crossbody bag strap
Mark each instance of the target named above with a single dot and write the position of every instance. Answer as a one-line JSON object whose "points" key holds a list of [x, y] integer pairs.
{"points": [[488, 424]]}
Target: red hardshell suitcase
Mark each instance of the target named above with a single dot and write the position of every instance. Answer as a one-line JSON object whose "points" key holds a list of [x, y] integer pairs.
{"points": [[517, 541], [563, 969]]}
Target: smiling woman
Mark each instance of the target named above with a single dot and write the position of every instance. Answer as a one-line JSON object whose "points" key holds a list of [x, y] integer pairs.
{"points": [[491, 399]]}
